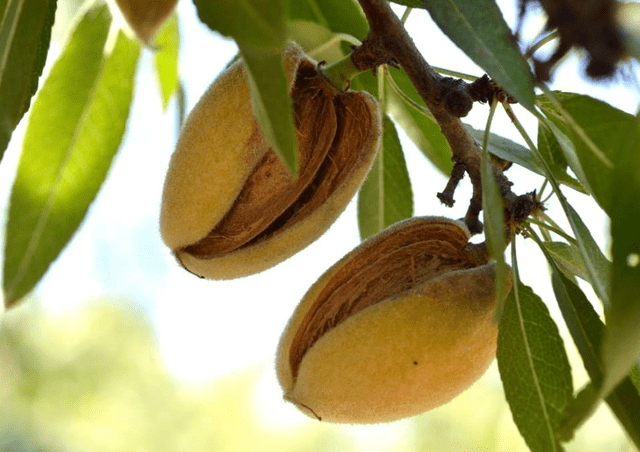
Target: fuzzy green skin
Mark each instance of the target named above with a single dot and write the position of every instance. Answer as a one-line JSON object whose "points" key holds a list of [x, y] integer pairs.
{"points": [[364, 371], [211, 163], [212, 160]]}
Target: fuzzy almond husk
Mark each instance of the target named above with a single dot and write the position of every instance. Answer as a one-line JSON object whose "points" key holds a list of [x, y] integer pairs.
{"points": [[230, 207], [400, 325], [145, 17]]}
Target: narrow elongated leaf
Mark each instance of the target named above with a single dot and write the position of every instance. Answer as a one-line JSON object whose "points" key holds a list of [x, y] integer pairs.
{"points": [[587, 331], [507, 149], [385, 197], [166, 58], [25, 32], [74, 130], [494, 228], [621, 348], [272, 103], [551, 151], [260, 30], [479, 29], [599, 133], [511, 151], [339, 16], [559, 132], [582, 320], [568, 258], [597, 265], [534, 368], [319, 42], [259, 23], [410, 112]]}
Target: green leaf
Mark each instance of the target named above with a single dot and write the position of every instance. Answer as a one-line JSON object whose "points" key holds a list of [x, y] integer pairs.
{"points": [[599, 132], [271, 101], [511, 151], [410, 112], [581, 319], [25, 32], [568, 258], [166, 58], [587, 330], [385, 197], [507, 149], [577, 411], [258, 23], [479, 29], [74, 130], [559, 131], [551, 151], [597, 265], [312, 36], [621, 347], [623, 401], [340, 16], [494, 228], [534, 368], [259, 27]]}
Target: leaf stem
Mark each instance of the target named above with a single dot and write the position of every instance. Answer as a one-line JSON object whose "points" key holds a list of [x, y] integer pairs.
{"points": [[341, 72], [338, 37]]}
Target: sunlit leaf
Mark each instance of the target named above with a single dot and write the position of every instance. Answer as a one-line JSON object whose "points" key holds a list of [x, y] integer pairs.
{"points": [[74, 130], [25, 31], [385, 197], [166, 58], [479, 29], [534, 368]]}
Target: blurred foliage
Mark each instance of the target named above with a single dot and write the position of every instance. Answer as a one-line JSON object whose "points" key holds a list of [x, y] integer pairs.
{"points": [[93, 379]]}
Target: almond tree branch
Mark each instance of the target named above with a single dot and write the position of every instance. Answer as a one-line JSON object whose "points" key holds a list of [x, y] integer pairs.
{"points": [[446, 98]]}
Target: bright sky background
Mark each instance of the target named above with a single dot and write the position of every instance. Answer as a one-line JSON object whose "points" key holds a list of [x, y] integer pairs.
{"points": [[209, 328]]}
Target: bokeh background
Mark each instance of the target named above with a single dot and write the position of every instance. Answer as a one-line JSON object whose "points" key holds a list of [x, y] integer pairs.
{"points": [[119, 349]]}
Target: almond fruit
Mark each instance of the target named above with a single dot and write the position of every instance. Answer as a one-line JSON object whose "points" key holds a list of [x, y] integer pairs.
{"points": [[400, 325], [230, 208]]}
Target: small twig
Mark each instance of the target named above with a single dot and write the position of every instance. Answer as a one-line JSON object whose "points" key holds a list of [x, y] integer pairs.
{"points": [[457, 173]]}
